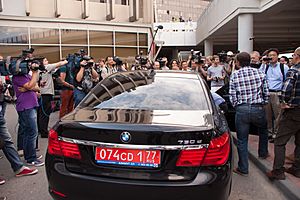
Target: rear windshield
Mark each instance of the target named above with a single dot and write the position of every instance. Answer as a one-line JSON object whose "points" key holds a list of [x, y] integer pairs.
{"points": [[152, 92]]}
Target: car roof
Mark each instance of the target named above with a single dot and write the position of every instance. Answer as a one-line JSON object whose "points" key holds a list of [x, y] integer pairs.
{"points": [[176, 74]]}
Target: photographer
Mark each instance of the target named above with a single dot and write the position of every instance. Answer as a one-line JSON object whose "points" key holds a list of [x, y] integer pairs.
{"points": [[25, 87], [84, 76], [47, 93], [216, 74]]}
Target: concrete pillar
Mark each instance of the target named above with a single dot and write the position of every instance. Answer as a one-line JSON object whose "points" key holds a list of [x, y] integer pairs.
{"points": [[245, 33], [208, 47]]}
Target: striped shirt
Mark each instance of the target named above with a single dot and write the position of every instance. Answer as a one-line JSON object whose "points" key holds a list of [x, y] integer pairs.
{"points": [[248, 86], [290, 93]]}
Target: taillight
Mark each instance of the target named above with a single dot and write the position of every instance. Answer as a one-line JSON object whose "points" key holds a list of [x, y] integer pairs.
{"points": [[216, 155], [62, 148], [218, 151], [190, 157]]}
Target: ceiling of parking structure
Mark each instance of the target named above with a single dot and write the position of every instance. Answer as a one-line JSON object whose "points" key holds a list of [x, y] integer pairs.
{"points": [[279, 27]]}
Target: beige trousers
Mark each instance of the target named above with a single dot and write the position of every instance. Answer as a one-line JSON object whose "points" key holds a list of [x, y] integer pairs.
{"points": [[273, 111]]}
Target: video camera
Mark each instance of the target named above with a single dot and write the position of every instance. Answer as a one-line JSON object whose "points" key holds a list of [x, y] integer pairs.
{"points": [[196, 57], [141, 60], [21, 65]]}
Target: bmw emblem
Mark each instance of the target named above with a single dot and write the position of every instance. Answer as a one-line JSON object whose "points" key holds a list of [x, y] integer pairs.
{"points": [[125, 137]]}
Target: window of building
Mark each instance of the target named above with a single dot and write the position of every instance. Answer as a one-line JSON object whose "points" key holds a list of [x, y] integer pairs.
{"points": [[14, 35], [126, 39], [143, 37], [101, 38], [44, 36], [71, 50], [49, 52], [126, 52], [101, 52], [12, 50], [70, 36]]}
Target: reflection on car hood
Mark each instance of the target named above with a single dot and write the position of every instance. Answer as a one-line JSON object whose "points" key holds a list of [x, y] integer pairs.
{"points": [[194, 118]]}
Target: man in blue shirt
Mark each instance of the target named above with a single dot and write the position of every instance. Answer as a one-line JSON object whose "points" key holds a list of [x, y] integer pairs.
{"points": [[275, 73]]}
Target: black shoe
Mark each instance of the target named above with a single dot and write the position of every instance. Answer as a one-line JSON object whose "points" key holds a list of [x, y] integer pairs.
{"points": [[264, 157], [293, 171], [237, 171], [276, 175]]}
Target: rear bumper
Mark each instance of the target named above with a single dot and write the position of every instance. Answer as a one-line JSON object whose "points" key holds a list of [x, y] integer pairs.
{"points": [[207, 185]]}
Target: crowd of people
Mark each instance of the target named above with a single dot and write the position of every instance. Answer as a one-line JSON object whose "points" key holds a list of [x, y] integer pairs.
{"points": [[265, 91]]}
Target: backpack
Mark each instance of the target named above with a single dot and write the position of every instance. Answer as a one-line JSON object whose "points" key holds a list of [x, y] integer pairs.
{"points": [[281, 69]]}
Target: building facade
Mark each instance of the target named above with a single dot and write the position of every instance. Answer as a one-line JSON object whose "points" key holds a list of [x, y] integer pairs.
{"points": [[56, 28], [172, 10]]}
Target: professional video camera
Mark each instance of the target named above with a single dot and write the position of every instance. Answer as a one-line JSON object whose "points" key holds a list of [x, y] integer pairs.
{"points": [[89, 63], [118, 61], [196, 57], [141, 61], [21, 65]]}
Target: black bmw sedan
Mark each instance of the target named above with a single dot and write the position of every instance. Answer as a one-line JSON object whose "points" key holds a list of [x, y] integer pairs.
{"points": [[142, 135]]}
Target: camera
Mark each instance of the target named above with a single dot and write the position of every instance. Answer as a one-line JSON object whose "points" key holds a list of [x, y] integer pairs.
{"points": [[223, 56], [161, 62], [196, 57], [267, 59], [118, 61]]}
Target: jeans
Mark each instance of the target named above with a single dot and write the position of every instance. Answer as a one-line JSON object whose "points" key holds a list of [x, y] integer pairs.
{"points": [[28, 133], [9, 148], [246, 115], [78, 96]]}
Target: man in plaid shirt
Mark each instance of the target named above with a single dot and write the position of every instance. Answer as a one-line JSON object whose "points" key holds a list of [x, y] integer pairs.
{"points": [[289, 122], [249, 93]]}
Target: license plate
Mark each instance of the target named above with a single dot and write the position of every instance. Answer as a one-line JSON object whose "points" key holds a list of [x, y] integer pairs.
{"points": [[128, 157]]}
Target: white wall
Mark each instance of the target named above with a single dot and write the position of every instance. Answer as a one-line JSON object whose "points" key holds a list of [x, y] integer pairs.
{"points": [[13, 7], [177, 34], [220, 12]]}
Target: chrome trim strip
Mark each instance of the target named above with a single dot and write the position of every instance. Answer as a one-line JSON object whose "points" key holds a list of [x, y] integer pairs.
{"points": [[132, 146]]}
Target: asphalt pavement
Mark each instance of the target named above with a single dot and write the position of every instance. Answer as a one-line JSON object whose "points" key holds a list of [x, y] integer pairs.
{"points": [[255, 187]]}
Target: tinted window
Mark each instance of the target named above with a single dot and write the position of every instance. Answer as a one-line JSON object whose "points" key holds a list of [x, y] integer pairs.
{"points": [[150, 92]]}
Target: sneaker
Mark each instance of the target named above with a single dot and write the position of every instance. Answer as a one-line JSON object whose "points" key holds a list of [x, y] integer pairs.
{"points": [[36, 163], [276, 175], [26, 172], [39, 157], [1, 157], [2, 181], [237, 171], [293, 171], [21, 153], [3, 198]]}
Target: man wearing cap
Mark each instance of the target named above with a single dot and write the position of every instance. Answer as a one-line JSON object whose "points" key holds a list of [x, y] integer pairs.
{"points": [[275, 73]]}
